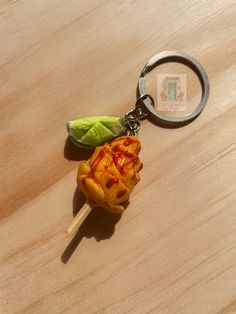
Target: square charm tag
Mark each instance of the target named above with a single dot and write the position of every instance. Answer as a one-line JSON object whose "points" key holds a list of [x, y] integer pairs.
{"points": [[171, 92]]}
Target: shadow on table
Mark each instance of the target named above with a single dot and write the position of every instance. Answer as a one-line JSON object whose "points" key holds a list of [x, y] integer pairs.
{"points": [[100, 224], [72, 152]]}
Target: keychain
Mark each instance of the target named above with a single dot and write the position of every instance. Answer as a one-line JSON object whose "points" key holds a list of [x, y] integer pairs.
{"points": [[109, 176]]}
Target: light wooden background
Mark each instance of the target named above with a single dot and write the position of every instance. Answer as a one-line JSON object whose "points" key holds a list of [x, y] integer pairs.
{"points": [[174, 249]]}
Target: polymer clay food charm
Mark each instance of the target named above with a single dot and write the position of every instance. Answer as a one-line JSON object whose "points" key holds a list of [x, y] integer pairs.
{"points": [[109, 176]]}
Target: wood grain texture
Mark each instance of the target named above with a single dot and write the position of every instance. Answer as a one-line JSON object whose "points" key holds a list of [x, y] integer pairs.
{"points": [[173, 250]]}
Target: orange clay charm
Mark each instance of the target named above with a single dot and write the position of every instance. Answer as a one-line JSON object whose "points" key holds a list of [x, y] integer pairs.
{"points": [[108, 177]]}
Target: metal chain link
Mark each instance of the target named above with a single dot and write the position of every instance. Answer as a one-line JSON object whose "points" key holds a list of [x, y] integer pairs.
{"points": [[133, 117]]}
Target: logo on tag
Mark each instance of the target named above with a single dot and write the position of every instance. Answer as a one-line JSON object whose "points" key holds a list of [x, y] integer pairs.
{"points": [[171, 92]]}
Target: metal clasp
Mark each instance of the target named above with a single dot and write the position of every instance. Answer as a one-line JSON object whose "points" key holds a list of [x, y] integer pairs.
{"points": [[133, 117]]}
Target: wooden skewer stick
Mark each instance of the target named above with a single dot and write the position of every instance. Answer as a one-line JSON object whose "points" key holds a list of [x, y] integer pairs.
{"points": [[80, 217]]}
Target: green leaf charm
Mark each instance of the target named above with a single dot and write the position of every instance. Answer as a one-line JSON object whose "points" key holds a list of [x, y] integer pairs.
{"points": [[93, 131]]}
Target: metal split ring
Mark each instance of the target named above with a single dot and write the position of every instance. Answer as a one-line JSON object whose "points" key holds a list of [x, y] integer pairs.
{"points": [[147, 100]]}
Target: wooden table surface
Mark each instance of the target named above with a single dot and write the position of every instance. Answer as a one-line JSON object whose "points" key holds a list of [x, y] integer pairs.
{"points": [[174, 248]]}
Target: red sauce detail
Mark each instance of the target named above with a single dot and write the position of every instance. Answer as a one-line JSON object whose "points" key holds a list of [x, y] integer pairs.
{"points": [[110, 182], [118, 160], [141, 167], [120, 193], [124, 153], [125, 140], [127, 163], [130, 155], [99, 157], [117, 155], [129, 141], [83, 181], [116, 148], [137, 151]]}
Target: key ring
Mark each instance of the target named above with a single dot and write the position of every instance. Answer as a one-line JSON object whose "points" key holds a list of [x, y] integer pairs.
{"points": [[110, 175], [180, 57]]}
